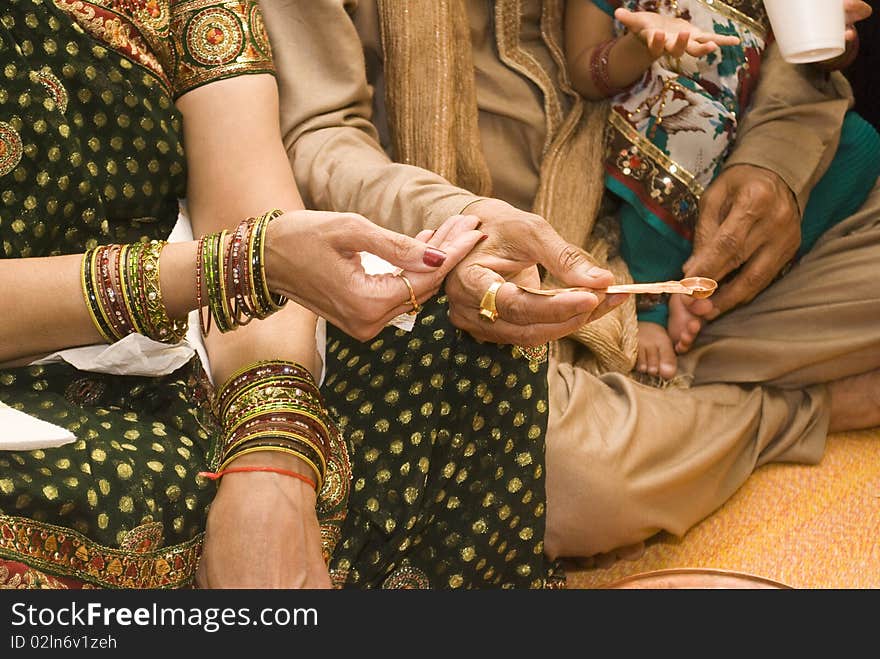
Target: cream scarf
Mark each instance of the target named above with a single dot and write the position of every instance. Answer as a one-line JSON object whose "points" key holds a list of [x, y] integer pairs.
{"points": [[433, 118]]}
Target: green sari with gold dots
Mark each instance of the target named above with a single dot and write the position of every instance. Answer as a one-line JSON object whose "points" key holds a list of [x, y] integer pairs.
{"points": [[91, 152], [445, 435]]}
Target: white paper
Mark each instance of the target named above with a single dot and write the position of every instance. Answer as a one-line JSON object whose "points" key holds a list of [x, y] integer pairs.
{"points": [[375, 265], [133, 355], [21, 432]]}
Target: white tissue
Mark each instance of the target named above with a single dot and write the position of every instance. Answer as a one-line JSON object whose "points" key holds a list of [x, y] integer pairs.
{"points": [[21, 432]]}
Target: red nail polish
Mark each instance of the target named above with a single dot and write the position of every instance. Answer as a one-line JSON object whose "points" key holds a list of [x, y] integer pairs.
{"points": [[433, 257], [482, 238]]}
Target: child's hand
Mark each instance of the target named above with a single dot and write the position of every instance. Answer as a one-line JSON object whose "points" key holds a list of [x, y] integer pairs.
{"points": [[672, 36]]}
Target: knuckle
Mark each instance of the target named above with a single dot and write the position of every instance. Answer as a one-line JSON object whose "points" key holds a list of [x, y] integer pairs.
{"points": [[728, 243], [570, 257]]}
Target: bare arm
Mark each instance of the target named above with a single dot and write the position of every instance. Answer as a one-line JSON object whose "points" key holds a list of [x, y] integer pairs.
{"points": [[649, 35]]}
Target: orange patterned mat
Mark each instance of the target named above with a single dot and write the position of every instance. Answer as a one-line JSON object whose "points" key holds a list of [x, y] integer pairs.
{"points": [[805, 526]]}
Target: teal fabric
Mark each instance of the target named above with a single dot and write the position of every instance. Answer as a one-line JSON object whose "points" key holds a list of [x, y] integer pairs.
{"points": [[654, 252], [606, 6]]}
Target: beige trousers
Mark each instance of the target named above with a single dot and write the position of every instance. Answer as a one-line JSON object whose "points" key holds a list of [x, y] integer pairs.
{"points": [[625, 460]]}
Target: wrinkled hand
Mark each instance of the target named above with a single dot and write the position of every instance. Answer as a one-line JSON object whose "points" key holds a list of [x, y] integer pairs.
{"points": [[263, 531], [672, 36], [517, 242], [749, 219], [313, 258]]}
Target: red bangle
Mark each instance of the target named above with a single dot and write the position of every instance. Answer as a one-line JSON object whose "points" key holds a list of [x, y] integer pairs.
{"points": [[599, 68], [273, 470]]}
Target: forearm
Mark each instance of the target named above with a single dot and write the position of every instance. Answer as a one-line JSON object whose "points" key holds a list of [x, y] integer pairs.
{"points": [[628, 59], [326, 124], [46, 309], [254, 178]]}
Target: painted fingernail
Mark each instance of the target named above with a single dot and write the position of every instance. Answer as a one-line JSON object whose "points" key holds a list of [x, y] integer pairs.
{"points": [[482, 238], [434, 257]]}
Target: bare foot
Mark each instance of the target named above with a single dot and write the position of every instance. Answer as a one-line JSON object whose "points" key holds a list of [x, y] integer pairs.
{"points": [[684, 326], [855, 402], [656, 355]]}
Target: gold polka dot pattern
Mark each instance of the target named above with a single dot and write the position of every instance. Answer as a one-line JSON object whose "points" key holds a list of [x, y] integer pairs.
{"points": [[447, 445]]}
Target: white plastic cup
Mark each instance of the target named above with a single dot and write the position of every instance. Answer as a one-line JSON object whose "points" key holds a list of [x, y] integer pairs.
{"points": [[808, 30]]}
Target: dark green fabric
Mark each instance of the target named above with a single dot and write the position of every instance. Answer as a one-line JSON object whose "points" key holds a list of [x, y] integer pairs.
{"points": [[447, 442], [108, 167], [654, 256]]}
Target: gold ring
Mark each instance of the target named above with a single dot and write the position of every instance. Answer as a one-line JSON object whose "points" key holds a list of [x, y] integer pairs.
{"points": [[487, 304], [416, 307]]}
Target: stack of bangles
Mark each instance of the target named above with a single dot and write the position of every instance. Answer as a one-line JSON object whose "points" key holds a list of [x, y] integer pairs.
{"points": [[268, 406], [274, 406], [120, 284]]}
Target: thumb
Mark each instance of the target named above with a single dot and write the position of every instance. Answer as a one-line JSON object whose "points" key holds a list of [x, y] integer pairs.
{"points": [[396, 248], [571, 265]]}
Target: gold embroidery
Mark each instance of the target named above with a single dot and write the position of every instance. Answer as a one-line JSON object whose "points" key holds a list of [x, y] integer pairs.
{"points": [[750, 13], [137, 29], [68, 553], [407, 578], [671, 188], [214, 37], [10, 148], [215, 40], [29, 579], [53, 86]]}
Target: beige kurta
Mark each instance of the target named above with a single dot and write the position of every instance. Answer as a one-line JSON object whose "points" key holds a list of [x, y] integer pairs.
{"points": [[623, 460]]}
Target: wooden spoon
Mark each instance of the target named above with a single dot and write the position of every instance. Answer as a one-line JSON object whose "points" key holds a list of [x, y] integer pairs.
{"points": [[698, 287]]}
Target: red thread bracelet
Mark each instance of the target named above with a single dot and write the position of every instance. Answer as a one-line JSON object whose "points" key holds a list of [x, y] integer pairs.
{"points": [[241, 470]]}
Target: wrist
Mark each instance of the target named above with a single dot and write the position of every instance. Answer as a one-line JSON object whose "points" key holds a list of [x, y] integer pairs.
{"points": [[273, 460], [275, 261]]}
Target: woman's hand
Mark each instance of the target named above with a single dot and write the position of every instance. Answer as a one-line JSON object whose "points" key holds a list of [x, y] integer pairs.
{"points": [[262, 530], [313, 258], [671, 36]]}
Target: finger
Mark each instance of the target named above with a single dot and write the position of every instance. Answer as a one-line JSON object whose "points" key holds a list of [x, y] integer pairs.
{"points": [[753, 278], [522, 308], [720, 39], [426, 284], [696, 49], [610, 303], [569, 264], [720, 244], [502, 331], [396, 248], [451, 228], [652, 358], [677, 45], [425, 235], [642, 359], [632, 20], [656, 42]]}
